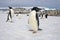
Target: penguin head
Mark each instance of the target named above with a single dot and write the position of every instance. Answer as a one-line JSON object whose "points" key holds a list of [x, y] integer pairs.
{"points": [[10, 7], [36, 9]]}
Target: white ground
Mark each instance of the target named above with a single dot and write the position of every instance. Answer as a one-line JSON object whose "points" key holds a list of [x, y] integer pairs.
{"points": [[18, 30]]}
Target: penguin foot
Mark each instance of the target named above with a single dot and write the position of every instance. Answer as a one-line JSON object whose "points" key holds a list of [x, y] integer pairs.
{"points": [[11, 21], [16, 15], [34, 32], [31, 30], [39, 29]]}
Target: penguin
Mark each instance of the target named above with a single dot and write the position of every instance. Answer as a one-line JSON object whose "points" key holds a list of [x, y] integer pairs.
{"points": [[10, 14], [34, 20], [46, 15]]}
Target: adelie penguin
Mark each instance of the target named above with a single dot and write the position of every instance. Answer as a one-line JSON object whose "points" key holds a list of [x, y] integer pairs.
{"points": [[34, 20], [10, 14], [46, 15]]}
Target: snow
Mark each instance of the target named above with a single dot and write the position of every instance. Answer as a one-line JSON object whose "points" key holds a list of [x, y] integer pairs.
{"points": [[19, 29]]}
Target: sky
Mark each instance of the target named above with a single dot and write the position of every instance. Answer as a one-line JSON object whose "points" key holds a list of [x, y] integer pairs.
{"points": [[29, 3]]}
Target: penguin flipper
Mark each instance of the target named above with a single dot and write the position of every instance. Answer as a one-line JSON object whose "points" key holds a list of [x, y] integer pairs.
{"points": [[37, 18]]}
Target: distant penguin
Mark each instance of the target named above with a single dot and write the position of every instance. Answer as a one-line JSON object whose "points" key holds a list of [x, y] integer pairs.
{"points": [[34, 20], [10, 14], [46, 15]]}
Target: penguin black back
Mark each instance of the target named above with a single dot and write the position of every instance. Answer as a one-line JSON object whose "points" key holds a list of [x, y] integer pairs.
{"points": [[37, 18]]}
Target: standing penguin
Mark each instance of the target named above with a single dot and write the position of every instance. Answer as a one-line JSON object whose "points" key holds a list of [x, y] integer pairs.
{"points": [[10, 14], [34, 20], [46, 15]]}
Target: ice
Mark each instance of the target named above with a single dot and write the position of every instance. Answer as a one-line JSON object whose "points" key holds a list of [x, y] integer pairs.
{"points": [[19, 29]]}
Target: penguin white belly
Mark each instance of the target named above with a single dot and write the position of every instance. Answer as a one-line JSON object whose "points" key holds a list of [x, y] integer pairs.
{"points": [[12, 12], [33, 21]]}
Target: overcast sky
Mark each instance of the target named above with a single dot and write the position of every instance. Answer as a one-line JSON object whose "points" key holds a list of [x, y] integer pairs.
{"points": [[29, 3]]}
